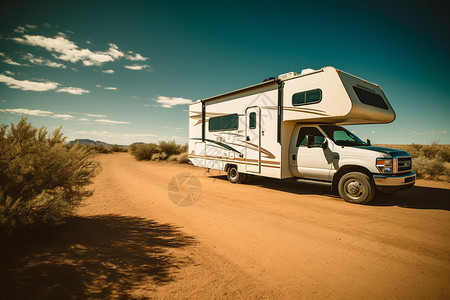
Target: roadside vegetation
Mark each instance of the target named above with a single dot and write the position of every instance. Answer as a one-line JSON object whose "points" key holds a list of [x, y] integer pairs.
{"points": [[169, 151], [105, 150], [42, 179], [429, 161]]}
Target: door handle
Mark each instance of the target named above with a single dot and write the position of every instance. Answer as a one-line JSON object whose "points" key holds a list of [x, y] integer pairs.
{"points": [[248, 138], [293, 157]]}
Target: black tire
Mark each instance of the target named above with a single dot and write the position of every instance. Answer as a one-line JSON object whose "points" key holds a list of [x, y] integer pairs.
{"points": [[234, 176], [356, 187]]}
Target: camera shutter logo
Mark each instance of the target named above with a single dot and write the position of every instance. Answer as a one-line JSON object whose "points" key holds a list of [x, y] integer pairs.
{"points": [[184, 189]]}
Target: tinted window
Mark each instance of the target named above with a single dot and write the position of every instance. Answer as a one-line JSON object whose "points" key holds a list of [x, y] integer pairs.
{"points": [[370, 98], [308, 97], [228, 122], [312, 131], [252, 120]]}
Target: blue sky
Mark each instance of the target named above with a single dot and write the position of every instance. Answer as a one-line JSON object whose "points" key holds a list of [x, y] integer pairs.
{"points": [[124, 71]]}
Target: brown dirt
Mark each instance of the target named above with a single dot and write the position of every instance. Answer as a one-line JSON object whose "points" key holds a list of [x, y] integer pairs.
{"points": [[265, 239]]}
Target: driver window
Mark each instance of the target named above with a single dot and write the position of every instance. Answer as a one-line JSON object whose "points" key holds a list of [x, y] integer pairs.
{"points": [[319, 139]]}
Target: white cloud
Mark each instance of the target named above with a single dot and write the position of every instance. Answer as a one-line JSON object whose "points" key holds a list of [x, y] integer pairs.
{"points": [[137, 67], [83, 119], [135, 97], [21, 29], [9, 72], [30, 112], [108, 71], [98, 85], [110, 88], [9, 61], [27, 85], [2, 54], [169, 102], [73, 90], [373, 131], [42, 61], [95, 116], [428, 132], [62, 116], [136, 57], [105, 121], [64, 49]]}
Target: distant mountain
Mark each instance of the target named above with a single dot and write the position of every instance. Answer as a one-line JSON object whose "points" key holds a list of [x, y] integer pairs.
{"points": [[88, 142]]}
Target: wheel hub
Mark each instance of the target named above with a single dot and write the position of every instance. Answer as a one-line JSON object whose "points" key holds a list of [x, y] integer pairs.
{"points": [[355, 188]]}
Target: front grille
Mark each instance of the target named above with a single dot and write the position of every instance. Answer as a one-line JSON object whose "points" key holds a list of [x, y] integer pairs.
{"points": [[404, 164]]}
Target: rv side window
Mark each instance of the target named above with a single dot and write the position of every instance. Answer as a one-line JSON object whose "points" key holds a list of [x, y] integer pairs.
{"points": [[319, 139], [252, 120], [228, 122], [308, 97], [370, 98]]}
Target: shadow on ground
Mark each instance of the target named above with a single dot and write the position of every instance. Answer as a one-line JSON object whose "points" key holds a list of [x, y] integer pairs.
{"points": [[416, 197], [91, 257]]}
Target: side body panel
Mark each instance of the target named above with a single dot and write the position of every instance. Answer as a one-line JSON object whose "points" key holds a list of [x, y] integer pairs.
{"points": [[258, 154]]}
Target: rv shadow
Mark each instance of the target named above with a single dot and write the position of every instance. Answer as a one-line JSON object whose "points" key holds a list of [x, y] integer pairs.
{"points": [[417, 197], [91, 257], [286, 185]]}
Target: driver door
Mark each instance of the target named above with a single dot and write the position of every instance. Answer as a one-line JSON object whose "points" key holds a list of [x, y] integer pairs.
{"points": [[313, 161]]}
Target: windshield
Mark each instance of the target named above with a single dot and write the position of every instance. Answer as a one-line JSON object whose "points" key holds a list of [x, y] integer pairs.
{"points": [[342, 136]]}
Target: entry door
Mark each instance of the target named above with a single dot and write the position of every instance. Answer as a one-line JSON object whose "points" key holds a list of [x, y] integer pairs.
{"points": [[253, 139]]}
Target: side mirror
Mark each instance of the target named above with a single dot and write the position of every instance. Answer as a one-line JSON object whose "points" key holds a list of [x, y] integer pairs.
{"points": [[369, 143], [310, 141], [325, 144]]}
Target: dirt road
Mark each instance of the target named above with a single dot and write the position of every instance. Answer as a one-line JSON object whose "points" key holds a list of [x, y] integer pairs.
{"points": [[266, 239]]}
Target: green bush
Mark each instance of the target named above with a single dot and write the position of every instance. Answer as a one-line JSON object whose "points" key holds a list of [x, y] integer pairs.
{"points": [[41, 179], [183, 158], [101, 149], [117, 148], [170, 148], [144, 151]]}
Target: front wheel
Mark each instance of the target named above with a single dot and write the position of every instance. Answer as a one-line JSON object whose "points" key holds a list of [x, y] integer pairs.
{"points": [[234, 176], [355, 187]]}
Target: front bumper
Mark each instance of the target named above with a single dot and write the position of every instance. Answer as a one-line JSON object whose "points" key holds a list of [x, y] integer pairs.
{"points": [[402, 180]]}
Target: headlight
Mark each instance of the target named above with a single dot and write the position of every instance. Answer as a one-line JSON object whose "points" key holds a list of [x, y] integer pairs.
{"points": [[384, 165]]}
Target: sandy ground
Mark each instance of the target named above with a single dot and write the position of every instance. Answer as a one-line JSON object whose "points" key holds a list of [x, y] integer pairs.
{"points": [[267, 239]]}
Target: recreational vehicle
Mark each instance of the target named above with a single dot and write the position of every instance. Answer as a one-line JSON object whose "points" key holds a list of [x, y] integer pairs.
{"points": [[289, 127]]}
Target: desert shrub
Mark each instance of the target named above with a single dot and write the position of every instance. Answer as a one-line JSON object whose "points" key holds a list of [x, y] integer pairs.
{"points": [[173, 157], [41, 179], [144, 151], [183, 158], [432, 168], [444, 153], [101, 149], [170, 148], [117, 148], [159, 156]]}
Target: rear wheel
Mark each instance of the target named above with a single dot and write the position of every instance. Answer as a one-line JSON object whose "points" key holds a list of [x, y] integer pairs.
{"points": [[356, 187], [234, 176]]}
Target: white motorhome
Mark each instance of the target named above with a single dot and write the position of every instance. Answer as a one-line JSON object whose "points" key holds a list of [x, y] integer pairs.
{"points": [[288, 127]]}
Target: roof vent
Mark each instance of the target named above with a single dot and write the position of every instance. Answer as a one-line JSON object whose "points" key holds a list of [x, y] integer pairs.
{"points": [[287, 75], [307, 71]]}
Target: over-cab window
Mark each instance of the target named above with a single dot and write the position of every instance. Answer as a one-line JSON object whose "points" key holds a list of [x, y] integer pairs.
{"points": [[370, 98], [308, 97], [228, 122]]}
